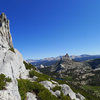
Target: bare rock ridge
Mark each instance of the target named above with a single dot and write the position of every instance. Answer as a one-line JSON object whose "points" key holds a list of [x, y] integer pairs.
{"points": [[5, 36]]}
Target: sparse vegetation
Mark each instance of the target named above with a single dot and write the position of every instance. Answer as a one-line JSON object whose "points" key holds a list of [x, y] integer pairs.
{"points": [[3, 81], [12, 49], [28, 86], [56, 88], [68, 78], [29, 66], [41, 77], [8, 79], [63, 97], [41, 92], [46, 95], [95, 79], [93, 89], [87, 94]]}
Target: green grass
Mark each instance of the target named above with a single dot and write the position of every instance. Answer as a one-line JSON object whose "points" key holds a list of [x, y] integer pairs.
{"points": [[41, 77], [68, 78], [46, 95], [3, 81], [42, 93], [60, 81], [94, 88], [28, 86]]}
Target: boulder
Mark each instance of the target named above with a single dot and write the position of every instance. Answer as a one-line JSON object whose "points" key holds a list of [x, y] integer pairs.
{"points": [[35, 78], [57, 93], [68, 91], [9, 95], [31, 96], [78, 95], [47, 84]]}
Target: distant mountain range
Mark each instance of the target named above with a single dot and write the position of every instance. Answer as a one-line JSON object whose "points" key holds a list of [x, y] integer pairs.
{"points": [[45, 62], [84, 57], [52, 60]]}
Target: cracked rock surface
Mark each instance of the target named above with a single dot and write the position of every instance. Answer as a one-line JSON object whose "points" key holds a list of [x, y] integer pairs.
{"points": [[11, 63]]}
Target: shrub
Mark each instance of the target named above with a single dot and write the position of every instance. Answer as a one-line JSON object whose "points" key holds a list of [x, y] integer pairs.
{"points": [[33, 73], [8, 79], [46, 95], [12, 49], [41, 77], [61, 81], [28, 86], [29, 66], [56, 88], [63, 97], [3, 81], [22, 88]]}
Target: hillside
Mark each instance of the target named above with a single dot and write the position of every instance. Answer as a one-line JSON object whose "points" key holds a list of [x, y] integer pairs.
{"points": [[79, 75], [94, 63], [84, 57], [20, 80]]}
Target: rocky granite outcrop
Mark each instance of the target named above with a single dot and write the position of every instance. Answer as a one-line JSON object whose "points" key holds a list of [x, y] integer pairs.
{"points": [[64, 88], [11, 62], [5, 36]]}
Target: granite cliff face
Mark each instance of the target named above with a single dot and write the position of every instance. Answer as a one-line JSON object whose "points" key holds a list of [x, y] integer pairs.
{"points": [[5, 36], [11, 62]]}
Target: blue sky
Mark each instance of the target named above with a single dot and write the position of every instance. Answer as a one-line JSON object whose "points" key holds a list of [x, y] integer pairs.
{"points": [[46, 28]]}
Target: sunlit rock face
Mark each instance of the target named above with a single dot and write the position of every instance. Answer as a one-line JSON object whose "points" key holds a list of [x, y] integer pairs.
{"points": [[5, 36], [11, 63]]}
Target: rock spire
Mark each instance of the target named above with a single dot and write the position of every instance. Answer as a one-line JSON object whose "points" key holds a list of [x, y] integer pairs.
{"points": [[5, 36]]}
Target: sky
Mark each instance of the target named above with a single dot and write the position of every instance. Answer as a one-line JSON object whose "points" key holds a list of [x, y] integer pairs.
{"points": [[50, 28]]}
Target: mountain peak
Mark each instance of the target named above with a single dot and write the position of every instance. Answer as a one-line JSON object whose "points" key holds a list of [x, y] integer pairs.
{"points": [[5, 36], [67, 55]]}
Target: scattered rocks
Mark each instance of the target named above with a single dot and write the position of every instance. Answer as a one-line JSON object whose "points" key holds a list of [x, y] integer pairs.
{"points": [[47, 84], [80, 96], [68, 91]]}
